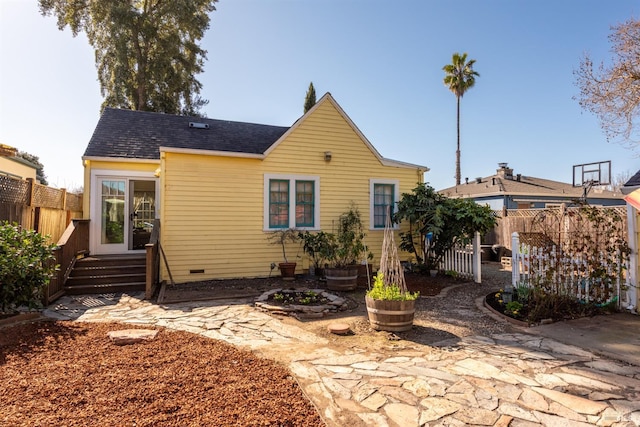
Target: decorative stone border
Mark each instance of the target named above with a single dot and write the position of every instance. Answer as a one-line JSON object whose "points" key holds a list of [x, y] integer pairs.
{"points": [[335, 304], [503, 316]]}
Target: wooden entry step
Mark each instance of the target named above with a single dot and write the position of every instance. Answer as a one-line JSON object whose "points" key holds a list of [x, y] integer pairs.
{"points": [[107, 274]]}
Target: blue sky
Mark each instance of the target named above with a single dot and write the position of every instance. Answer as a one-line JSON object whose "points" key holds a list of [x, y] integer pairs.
{"points": [[381, 61]]}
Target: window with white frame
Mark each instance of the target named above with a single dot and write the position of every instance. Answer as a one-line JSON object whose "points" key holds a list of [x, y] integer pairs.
{"points": [[291, 201], [383, 194]]}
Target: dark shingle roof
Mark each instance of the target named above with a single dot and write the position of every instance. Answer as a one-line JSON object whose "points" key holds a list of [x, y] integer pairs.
{"points": [[139, 134], [634, 181]]}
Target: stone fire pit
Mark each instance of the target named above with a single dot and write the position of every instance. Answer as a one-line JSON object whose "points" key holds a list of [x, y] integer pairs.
{"points": [[327, 303]]}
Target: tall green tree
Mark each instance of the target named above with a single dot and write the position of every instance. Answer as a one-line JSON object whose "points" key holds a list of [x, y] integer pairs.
{"points": [[35, 160], [310, 99], [459, 78], [612, 92], [147, 51]]}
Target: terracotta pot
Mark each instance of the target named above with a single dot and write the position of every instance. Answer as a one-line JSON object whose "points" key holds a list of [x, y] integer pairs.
{"points": [[393, 316], [287, 270], [342, 279]]}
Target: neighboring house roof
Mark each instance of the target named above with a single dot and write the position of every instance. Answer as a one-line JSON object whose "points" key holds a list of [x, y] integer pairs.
{"points": [[7, 151], [128, 134], [504, 183], [632, 184], [140, 134]]}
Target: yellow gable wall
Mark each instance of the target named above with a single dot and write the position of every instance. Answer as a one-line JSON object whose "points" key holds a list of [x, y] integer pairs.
{"points": [[212, 210], [114, 168]]}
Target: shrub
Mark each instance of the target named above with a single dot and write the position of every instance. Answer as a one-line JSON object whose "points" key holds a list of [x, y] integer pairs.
{"points": [[389, 292], [26, 266]]}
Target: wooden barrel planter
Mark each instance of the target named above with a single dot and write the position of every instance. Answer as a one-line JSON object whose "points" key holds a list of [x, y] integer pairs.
{"points": [[392, 316], [342, 279], [364, 279]]}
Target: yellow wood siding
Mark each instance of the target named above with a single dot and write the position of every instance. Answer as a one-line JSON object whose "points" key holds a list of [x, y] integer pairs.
{"points": [[212, 210], [16, 169]]}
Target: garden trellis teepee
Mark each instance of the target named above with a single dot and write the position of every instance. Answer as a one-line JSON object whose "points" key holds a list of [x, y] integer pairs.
{"points": [[390, 266]]}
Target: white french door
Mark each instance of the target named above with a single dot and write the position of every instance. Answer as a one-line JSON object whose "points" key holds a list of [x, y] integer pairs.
{"points": [[122, 214]]}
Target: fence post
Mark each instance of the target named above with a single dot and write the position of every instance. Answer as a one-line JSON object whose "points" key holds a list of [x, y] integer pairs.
{"points": [[515, 258], [477, 258]]}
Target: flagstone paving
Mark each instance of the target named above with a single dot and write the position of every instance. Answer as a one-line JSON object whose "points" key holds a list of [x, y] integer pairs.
{"points": [[513, 379]]}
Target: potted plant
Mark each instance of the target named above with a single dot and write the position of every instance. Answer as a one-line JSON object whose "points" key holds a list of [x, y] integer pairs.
{"points": [[282, 237], [318, 247], [390, 306], [346, 252]]}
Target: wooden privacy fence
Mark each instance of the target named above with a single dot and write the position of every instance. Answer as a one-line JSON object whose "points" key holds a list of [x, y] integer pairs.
{"points": [[37, 207], [465, 260], [588, 276], [537, 220]]}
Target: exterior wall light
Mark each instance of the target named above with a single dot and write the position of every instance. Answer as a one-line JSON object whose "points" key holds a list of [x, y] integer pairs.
{"points": [[327, 156]]}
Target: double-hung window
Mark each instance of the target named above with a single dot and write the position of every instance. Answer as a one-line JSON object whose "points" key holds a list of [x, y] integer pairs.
{"points": [[291, 201], [384, 195]]}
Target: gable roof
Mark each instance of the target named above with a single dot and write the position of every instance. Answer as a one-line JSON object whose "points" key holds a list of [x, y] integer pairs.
{"points": [[327, 97], [132, 134], [502, 184], [140, 135]]}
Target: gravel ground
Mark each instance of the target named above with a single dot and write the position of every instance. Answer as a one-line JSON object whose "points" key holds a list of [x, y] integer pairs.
{"points": [[440, 320]]}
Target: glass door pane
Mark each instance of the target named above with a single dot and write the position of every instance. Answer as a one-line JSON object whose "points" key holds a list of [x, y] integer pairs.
{"points": [[143, 212], [112, 211]]}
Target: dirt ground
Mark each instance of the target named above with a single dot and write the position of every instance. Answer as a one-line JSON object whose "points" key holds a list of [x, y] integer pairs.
{"points": [[64, 373]]}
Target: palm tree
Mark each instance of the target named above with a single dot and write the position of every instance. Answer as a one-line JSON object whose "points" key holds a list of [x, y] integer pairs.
{"points": [[459, 78]]}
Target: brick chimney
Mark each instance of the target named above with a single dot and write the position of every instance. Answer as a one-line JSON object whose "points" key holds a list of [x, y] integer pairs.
{"points": [[504, 171]]}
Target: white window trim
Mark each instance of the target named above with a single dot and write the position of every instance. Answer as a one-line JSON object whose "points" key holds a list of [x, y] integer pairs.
{"points": [[94, 207], [292, 200], [396, 199]]}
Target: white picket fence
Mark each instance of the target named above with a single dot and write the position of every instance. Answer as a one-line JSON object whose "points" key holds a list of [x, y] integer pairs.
{"points": [[566, 275], [465, 260]]}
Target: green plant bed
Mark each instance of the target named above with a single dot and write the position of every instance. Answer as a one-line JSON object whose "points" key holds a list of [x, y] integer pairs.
{"points": [[493, 302], [289, 297], [551, 307]]}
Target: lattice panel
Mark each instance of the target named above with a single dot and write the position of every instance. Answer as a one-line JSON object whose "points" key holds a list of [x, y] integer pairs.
{"points": [[47, 197], [14, 191], [74, 202]]}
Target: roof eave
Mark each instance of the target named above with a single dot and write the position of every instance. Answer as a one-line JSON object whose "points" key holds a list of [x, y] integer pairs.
{"points": [[201, 152], [119, 159]]}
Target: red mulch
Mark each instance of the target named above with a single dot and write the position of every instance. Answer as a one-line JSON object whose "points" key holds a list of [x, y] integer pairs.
{"points": [[64, 373]]}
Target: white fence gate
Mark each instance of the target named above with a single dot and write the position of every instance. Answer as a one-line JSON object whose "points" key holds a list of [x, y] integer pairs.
{"points": [[566, 275], [465, 260]]}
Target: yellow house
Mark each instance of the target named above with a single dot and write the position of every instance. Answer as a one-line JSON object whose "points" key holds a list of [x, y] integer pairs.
{"points": [[219, 188], [15, 167]]}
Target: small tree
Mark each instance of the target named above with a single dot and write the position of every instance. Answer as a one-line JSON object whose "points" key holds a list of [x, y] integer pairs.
{"points": [[35, 160], [26, 266], [310, 99], [348, 248], [448, 222], [611, 92]]}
